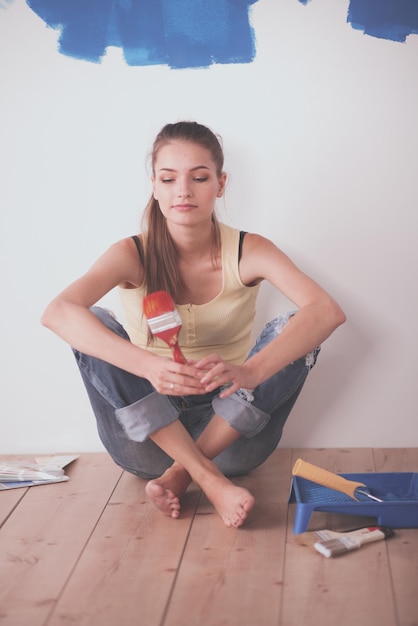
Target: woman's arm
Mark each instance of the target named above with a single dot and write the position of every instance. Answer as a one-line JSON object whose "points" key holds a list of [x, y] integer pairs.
{"points": [[68, 314], [318, 313], [317, 317]]}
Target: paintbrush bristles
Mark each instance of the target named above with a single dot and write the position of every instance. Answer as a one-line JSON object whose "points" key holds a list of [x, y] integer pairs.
{"points": [[167, 321], [157, 303]]}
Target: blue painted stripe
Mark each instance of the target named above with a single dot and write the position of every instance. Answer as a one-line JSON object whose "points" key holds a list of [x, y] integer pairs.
{"points": [[179, 33], [386, 19]]}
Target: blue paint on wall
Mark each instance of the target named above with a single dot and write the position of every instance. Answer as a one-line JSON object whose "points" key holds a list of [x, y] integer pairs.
{"points": [[178, 33], [386, 19]]}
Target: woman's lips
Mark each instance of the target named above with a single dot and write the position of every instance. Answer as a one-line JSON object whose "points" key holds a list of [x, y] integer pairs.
{"points": [[184, 207]]}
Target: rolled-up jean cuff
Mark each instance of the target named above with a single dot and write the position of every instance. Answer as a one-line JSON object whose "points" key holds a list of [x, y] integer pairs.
{"points": [[145, 416], [241, 415]]}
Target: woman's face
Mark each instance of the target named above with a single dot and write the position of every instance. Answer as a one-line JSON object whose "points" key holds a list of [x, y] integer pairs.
{"points": [[185, 183]]}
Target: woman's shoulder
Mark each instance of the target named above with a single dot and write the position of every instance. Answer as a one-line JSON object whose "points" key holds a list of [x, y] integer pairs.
{"points": [[229, 234], [239, 232], [128, 245], [252, 240], [127, 254], [258, 254]]}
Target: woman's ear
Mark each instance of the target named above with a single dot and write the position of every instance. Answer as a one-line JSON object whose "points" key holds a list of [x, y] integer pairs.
{"points": [[222, 183], [153, 187]]}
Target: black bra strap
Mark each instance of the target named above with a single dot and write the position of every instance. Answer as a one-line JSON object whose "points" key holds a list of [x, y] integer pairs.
{"points": [[139, 248], [241, 239]]}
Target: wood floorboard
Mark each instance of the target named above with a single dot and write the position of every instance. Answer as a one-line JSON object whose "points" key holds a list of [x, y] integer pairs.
{"points": [[234, 576], [93, 551], [127, 571], [45, 535], [402, 553], [8, 501]]}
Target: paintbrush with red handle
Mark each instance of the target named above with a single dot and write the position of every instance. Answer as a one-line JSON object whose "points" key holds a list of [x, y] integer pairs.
{"points": [[164, 321]]}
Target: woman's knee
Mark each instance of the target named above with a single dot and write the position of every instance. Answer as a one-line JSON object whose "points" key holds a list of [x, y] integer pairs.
{"points": [[272, 329]]}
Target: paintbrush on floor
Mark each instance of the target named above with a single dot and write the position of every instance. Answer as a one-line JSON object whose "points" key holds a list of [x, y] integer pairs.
{"points": [[331, 543], [164, 321]]}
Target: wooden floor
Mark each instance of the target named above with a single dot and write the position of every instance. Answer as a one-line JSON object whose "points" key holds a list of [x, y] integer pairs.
{"points": [[93, 551]]}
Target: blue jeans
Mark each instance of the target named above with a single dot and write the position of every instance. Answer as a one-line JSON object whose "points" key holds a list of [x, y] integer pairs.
{"points": [[128, 409]]}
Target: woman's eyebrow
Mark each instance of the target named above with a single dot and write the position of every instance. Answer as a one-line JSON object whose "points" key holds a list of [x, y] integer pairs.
{"points": [[192, 169]]}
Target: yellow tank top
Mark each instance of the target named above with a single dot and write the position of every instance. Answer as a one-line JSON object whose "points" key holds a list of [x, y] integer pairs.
{"points": [[222, 325]]}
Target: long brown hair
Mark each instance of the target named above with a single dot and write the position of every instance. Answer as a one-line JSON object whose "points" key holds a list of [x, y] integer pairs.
{"points": [[161, 270]]}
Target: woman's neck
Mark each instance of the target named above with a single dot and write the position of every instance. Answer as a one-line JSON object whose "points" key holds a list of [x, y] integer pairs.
{"points": [[193, 243]]}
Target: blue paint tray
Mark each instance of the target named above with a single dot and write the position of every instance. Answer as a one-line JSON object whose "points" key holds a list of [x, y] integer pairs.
{"points": [[399, 492]]}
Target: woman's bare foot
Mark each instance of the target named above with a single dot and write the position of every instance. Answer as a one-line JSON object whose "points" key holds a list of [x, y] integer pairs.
{"points": [[165, 492], [231, 502]]}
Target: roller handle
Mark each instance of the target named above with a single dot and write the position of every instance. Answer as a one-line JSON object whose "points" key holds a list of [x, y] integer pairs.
{"points": [[325, 478]]}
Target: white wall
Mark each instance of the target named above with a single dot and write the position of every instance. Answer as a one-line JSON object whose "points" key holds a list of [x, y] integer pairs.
{"points": [[321, 142]]}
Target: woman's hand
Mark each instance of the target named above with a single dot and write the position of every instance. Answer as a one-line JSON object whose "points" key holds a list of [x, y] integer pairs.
{"points": [[215, 372], [174, 379]]}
